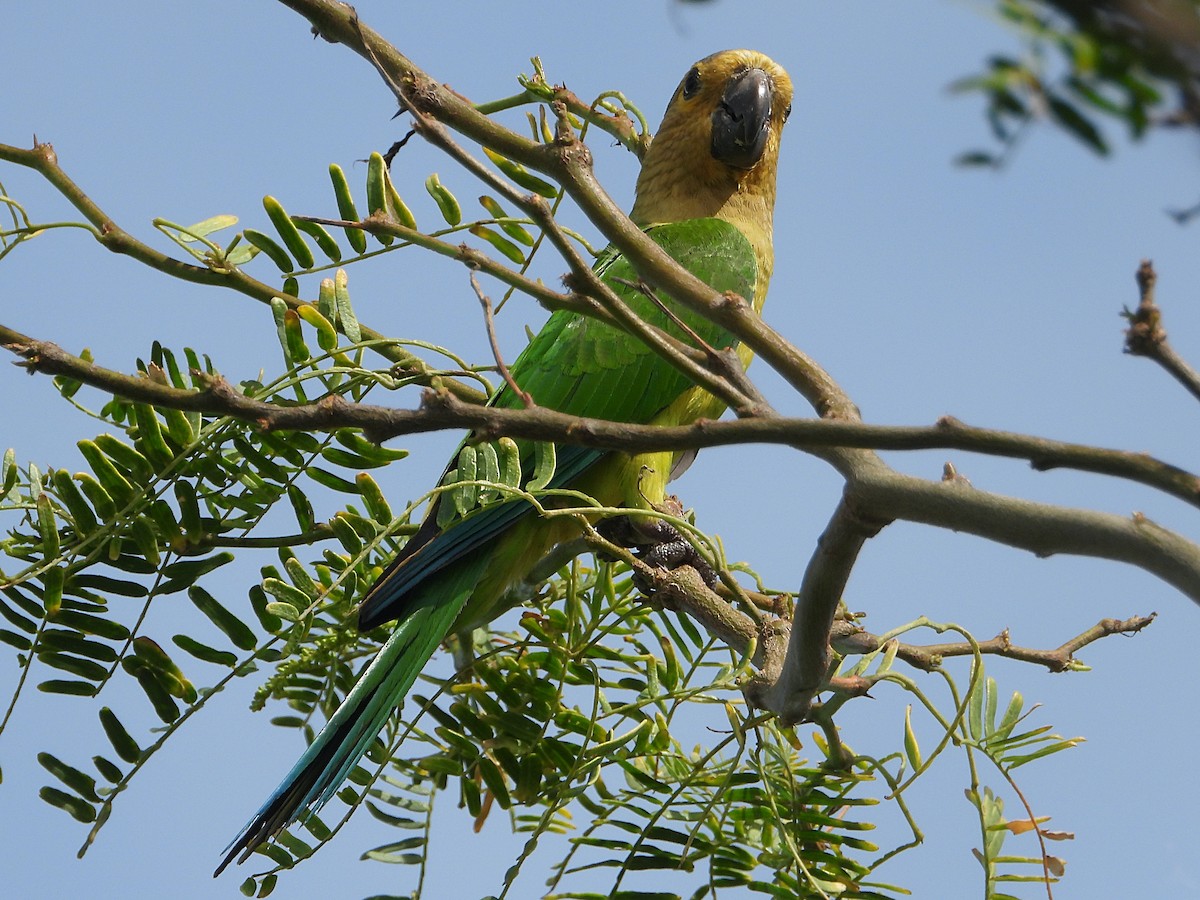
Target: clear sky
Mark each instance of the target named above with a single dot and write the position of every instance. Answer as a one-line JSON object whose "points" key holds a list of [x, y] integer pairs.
{"points": [[924, 289]]}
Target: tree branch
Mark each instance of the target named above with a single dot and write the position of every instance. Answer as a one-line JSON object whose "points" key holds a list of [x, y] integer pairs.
{"points": [[790, 690], [43, 160], [1040, 528], [439, 411], [848, 638]]}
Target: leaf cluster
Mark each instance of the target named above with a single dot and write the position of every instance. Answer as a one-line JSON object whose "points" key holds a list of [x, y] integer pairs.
{"points": [[1085, 63]]}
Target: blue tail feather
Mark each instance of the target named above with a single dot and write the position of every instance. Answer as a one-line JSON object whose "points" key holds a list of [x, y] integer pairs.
{"points": [[344, 740]]}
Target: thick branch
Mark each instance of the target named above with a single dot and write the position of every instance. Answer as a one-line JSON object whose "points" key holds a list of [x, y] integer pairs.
{"points": [[442, 411], [684, 590], [791, 690], [1040, 528]]}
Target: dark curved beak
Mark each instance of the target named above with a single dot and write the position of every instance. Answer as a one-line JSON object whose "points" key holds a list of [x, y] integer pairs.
{"points": [[740, 121]]}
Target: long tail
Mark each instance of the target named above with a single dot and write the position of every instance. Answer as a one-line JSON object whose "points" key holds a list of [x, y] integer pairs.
{"points": [[347, 735]]}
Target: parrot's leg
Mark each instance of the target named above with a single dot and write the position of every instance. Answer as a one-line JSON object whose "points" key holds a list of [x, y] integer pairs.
{"points": [[671, 553], [656, 542]]}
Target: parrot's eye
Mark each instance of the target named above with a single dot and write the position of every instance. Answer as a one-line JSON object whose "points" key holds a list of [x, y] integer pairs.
{"points": [[691, 84], [787, 112]]}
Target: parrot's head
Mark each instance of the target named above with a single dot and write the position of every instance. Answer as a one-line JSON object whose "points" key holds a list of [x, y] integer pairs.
{"points": [[716, 151]]}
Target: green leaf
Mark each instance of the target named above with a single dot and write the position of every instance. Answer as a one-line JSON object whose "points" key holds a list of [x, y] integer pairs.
{"points": [[324, 240], [268, 246], [90, 624], [325, 478], [9, 473], [346, 208], [47, 526], [190, 571], [446, 202], [302, 507], [977, 158], [150, 437], [1079, 125], [377, 192], [506, 247], [288, 231], [544, 463], [72, 642], [288, 594], [513, 229], [206, 227], [109, 770], [81, 783], [84, 668], [345, 312], [77, 808], [285, 611], [68, 688], [373, 497], [234, 628], [15, 640], [521, 175], [171, 676], [160, 698], [114, 483], [106, 585], [203, 652]]}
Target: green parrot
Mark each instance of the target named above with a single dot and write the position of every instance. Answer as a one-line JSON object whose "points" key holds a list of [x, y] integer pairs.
{"points": [[706, 195]]}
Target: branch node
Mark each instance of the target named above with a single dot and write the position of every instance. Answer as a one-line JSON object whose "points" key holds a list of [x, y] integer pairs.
{"points": [[732, 302]]}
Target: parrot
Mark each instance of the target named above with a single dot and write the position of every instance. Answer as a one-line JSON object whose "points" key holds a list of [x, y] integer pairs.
{"points": [[706, 194]]}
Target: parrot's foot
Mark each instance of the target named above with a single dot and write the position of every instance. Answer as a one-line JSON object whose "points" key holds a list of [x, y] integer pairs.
{"points": [[657, 543]]}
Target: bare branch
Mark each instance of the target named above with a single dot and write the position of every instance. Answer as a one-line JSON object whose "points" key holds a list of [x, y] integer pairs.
{"points": [[848, 638], [1040, 528], [790, 690], [441, 412], [1147, 337]]}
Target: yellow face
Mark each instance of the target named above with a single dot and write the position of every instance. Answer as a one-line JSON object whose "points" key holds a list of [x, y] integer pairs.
{"points": [[743, 96], [716, 150]]}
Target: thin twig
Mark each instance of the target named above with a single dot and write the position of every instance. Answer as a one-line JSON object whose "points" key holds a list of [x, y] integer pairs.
{"points": [[848, 638], [644, 288], [490, 324]]}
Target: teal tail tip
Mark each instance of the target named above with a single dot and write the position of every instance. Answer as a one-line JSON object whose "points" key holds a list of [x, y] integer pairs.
{"points": [[379, 690], [307, 786], [276, 814]]}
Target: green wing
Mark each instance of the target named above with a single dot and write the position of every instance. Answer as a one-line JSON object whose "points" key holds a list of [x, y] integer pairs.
{"points": [[586, 367]]}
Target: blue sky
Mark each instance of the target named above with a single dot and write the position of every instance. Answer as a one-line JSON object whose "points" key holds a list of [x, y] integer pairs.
{"points": [[924, 289]]}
